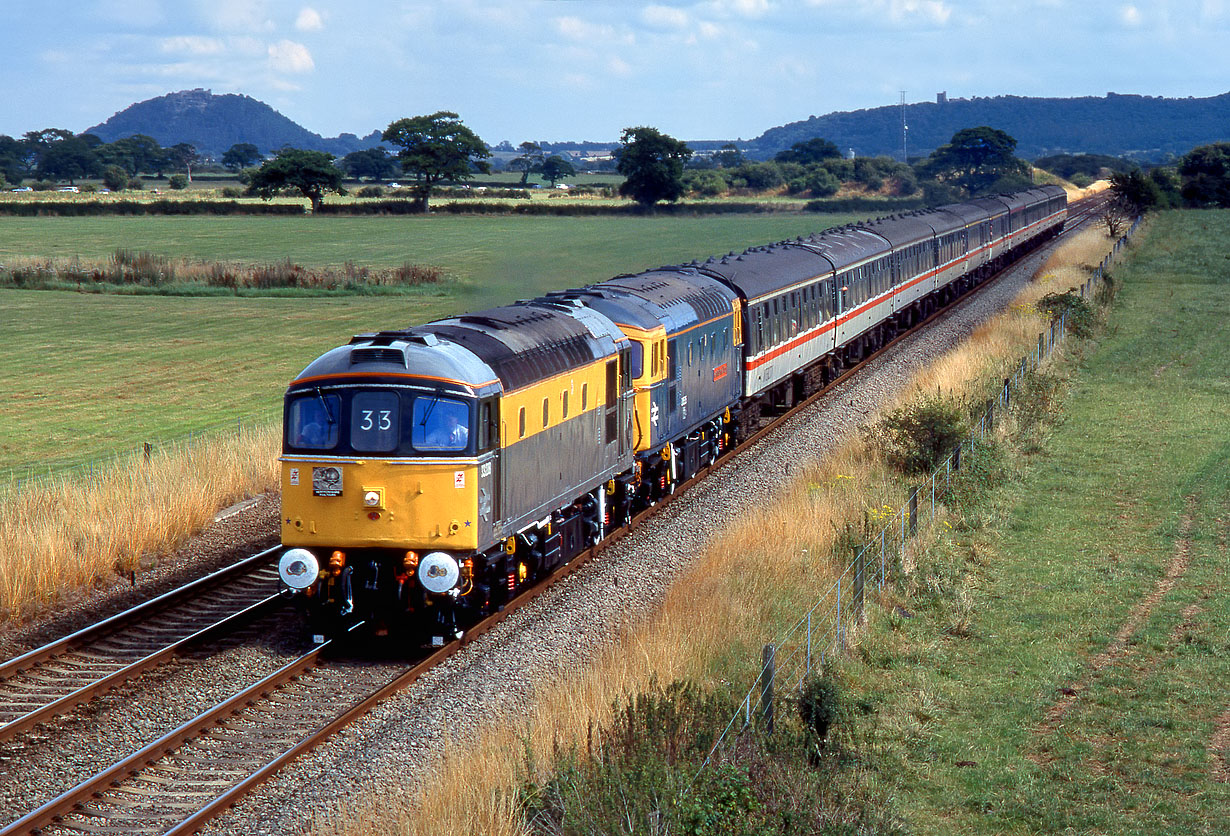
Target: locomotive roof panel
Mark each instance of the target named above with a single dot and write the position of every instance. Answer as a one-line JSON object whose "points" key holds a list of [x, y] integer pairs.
{"points": [[530, 341], [674, 297], [402, 353], [991, 205]]}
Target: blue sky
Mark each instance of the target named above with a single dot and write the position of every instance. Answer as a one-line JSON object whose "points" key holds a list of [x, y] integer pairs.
{"points": [[585, 69]]}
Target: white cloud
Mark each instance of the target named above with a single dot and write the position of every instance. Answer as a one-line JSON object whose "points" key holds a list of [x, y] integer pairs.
{"points": [[665, 17], [290, 57], [191, 45], [576, 29], [309, 20], [1129, 16], [236, 15], [932, 10]]}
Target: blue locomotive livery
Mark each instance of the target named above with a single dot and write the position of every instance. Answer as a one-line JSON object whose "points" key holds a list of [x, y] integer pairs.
{"points": [[429, 474]]}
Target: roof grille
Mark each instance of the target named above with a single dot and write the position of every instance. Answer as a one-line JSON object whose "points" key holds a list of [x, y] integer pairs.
{"points": [[378, 354]]}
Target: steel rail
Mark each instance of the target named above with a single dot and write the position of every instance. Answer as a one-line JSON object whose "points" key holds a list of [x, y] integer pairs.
{"points": [[110, 627]]}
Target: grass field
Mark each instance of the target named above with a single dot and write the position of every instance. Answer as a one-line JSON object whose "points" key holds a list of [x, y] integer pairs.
{"points": [[97, 374], [1063, 669]]}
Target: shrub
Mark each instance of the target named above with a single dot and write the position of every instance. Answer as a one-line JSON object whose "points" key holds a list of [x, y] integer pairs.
{"points": [[370, 191], [916, 437], [231, 191], [1079, 313], [42, 185], [115, 178], [136, 184], [178, 181], [819, 704]]}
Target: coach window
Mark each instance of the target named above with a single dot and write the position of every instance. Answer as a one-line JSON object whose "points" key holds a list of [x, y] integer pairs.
{"points": [[584, 396], [546, 412], [638, 358], [564, 402], [521, 420]]}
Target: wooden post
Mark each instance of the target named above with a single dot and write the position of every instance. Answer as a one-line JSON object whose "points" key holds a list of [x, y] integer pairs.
{"points": [[766, 687], [148, 449], [859, 566]]}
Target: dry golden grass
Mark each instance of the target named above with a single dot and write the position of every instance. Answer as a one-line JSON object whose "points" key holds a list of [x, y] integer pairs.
{"points": [[755, 576], [68, 532]]}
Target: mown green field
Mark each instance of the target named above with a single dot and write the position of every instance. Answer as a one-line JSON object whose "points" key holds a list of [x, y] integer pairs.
{"points": [[86, 375], [1063, 669]]}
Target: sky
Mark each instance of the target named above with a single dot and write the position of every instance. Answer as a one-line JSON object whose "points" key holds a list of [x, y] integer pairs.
{"points": [[586, 69]]}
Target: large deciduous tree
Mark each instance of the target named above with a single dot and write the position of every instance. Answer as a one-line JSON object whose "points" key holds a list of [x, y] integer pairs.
{"points": [[241, 155], [556, 168], [530, 161], [435, 149], [978, 160], [809, 152], [311, 173], [372, 163], [652, 165], [1206, 175]]}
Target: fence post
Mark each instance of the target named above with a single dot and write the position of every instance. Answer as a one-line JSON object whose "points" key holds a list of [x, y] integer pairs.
{"points": [[913, 512], [766, 687], [1007, 392], [148, 449], [859, 564]]}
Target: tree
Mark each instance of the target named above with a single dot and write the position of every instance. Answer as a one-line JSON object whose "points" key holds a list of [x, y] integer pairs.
{"points": [[436, 148], [975, 160], [372, 163], [529, 162], [241, 155], [729, 156], [1206, 175], [114, 178], [134, 154], [652, 165], [67, 159], [16, 159], [814, 150], [183, 155], [311, 173], [556, 168]]}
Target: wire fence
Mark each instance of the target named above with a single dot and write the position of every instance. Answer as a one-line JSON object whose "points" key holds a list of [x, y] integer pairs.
{"points": [[26, 475], [825, 629]]}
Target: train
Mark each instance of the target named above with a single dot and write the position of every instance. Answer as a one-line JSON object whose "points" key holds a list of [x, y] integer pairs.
{"points": [[432, 473]]}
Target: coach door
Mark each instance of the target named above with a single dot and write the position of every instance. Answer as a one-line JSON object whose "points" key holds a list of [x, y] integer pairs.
{"points": [[612, 404]]}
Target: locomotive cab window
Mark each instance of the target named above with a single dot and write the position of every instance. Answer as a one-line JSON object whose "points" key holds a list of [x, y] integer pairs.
{"points": [[374, 422], [313, 422], [440, 424]]}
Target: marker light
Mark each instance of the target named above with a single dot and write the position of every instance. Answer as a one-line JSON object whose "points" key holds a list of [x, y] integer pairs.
{"points": [[298, 569]]}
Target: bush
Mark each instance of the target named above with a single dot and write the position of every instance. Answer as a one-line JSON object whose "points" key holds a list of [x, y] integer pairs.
{"points": [[136, 184], [917, 437], [819, 704], [370, 191], [115, 178], [1079, 313], [231, 191], [42, 185], [178, 181]]}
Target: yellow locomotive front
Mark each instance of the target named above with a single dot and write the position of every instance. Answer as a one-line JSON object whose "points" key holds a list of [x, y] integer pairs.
{"points": [[387, 479]]}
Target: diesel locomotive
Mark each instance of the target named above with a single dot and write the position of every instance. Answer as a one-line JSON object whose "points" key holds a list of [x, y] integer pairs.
{"points": [[431, 473]]}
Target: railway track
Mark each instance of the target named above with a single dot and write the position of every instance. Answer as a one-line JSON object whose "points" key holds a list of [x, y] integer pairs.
{"points": [[179, 782], [47, 682]]}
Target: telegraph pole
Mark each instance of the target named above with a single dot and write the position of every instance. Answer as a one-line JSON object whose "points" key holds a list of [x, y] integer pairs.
{"points": [[905, 154]]}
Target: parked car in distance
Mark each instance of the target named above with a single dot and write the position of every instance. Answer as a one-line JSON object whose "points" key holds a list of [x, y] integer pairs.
{"points": [[72, 189], [22, 189]]}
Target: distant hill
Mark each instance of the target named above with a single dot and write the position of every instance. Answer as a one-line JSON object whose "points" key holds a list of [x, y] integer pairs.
{"points": [[214, 123], [1141, 127]]}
